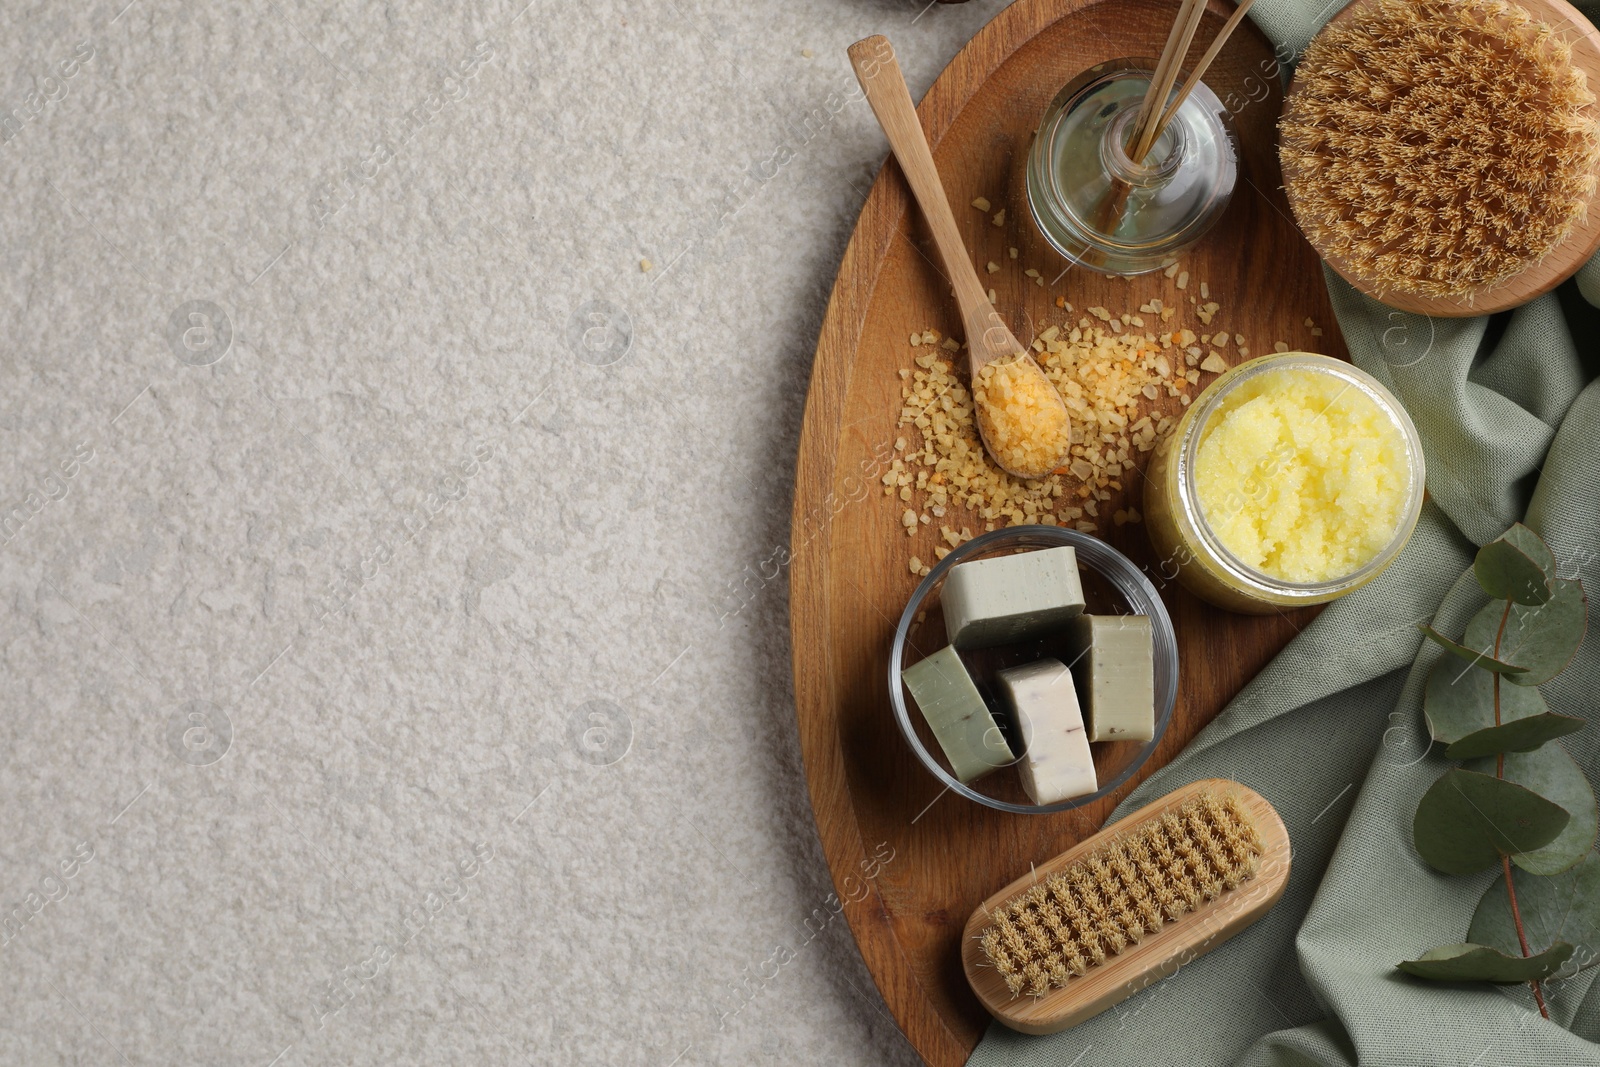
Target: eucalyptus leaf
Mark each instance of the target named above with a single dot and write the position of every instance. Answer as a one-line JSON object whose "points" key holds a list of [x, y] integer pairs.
{"points": [[1523, 735], [1555, 776], [1534, 547], [1472, 655], [1542, 639], [1506, 572], [1478, 963], [1467, 820], [1459, 707], [1565, 908]]}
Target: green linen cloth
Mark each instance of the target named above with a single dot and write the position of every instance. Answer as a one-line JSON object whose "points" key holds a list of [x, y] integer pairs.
{"points": [[1331, 731]]}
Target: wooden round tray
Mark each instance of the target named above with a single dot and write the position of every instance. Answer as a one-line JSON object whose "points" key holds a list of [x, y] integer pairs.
{"points": [[910, 864]]}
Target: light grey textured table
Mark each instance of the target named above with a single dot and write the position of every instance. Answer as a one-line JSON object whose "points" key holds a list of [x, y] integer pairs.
{"points": [[389, 668]]}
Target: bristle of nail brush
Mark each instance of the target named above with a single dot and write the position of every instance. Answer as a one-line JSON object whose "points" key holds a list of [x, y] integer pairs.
{"points": [[1121, 893]]}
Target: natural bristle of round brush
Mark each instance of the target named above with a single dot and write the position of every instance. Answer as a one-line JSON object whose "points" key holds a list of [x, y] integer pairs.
{"points": [[1121, 893], [1439, 146]]}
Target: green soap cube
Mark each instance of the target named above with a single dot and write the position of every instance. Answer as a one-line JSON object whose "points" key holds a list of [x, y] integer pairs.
{"points": [[957, 715], [1113, 660], [1003, 599]]}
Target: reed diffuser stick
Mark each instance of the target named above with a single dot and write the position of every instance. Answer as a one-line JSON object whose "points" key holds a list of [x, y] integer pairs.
{"points": [[1109, 215], [1200, 68], [1151, 105], [1167, 70]]}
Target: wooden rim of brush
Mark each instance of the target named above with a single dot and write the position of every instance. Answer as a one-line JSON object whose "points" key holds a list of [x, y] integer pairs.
{"points": [[1557, 265], [1139, 966]]}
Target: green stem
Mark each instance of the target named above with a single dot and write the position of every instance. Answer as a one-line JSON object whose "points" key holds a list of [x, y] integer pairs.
{"points": [[1522, 936], [1505, 861]]}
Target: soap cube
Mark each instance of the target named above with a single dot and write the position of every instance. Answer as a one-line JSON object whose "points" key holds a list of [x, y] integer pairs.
{"points": [[1056, 762], [1113, 659], [957, 715], [1010, 598]]}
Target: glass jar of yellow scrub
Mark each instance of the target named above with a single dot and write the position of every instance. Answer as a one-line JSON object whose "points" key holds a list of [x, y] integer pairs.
{"points": [[1291, 480]]}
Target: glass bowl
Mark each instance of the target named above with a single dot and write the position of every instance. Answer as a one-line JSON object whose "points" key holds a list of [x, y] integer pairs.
{"points": [[1112, 585]]}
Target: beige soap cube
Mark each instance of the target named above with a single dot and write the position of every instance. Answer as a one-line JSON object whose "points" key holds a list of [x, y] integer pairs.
{"points": [[1056, 762]]}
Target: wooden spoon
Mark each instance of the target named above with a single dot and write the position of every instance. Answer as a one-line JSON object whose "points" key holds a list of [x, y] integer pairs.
{"points": [[988, 338]]}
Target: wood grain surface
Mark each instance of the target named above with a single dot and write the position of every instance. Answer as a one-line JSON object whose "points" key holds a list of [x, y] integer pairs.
{"points": [[1562, 261], [1157, 956], [932, 858]]}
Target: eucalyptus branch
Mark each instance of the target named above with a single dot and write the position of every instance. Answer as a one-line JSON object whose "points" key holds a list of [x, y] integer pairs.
{"points": [[1531, 806], [1505, 860]]}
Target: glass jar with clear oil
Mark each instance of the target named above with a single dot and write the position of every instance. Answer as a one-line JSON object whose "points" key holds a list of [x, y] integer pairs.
{"points": [[1094, 205]]}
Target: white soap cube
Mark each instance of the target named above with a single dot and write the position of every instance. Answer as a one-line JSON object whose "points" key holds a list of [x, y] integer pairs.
{"points": [[1003, 599], [1056, 762]]}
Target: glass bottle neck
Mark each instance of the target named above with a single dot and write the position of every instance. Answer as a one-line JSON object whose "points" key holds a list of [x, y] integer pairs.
{"points": [[1160, 163]]}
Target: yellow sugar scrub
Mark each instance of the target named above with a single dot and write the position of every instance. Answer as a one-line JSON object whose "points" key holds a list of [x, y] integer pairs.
{"points": [[1021, 416], [1292, 480], [1301, 476]]}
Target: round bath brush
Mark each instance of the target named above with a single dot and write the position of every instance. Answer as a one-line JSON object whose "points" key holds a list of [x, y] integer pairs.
{"points": [[1442, 155]]}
